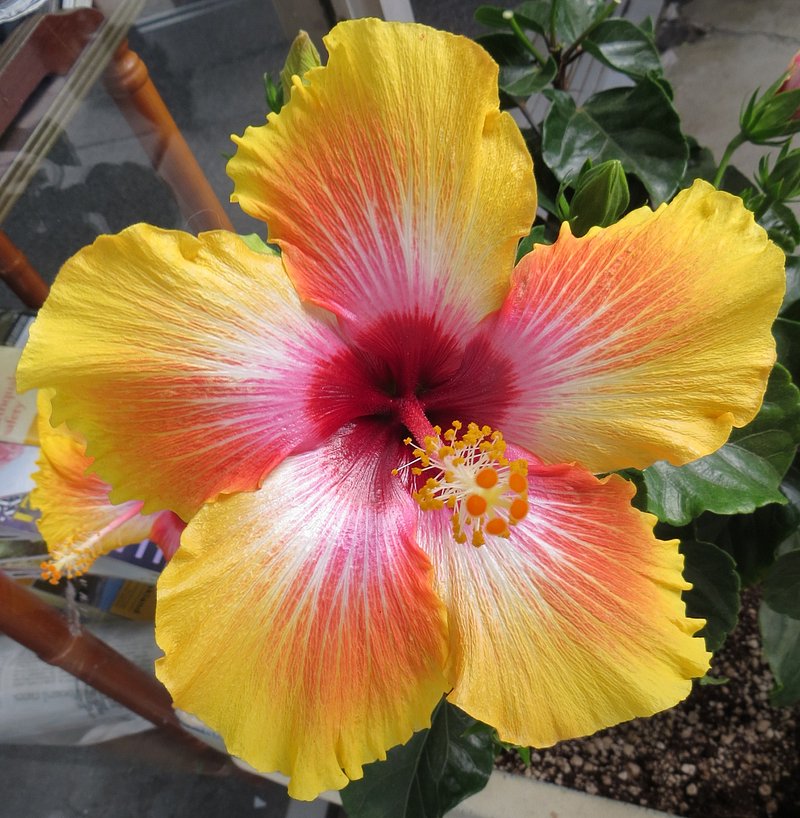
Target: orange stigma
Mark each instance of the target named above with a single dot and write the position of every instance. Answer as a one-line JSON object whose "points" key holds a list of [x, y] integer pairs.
{"points": [[470, 475]]}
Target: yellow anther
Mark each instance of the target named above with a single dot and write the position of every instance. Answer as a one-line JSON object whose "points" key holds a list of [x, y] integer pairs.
{"points": [[467, 472]]}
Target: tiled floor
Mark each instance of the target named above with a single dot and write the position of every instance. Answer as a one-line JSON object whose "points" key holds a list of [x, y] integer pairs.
{"points": [[98, 179]]}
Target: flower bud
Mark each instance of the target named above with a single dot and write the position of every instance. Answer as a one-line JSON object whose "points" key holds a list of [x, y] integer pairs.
{"points": [[302, 56], [776, 113], [601, 197], [792, 81]]}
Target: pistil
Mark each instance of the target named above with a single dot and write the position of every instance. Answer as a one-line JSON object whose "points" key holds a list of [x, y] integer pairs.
{"points": [[469, 474], [73, 557]]}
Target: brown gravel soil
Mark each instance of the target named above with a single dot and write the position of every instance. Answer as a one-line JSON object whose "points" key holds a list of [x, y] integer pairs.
{"points": [[723, 753]]}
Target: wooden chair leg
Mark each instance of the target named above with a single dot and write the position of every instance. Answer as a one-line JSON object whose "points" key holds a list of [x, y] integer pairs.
{"points": [[42, 629], [16, 271], [129, 83]]}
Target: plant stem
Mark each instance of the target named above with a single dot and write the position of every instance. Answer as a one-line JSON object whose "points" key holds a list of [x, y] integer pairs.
{"points": [[737, 140], [571, 52], [523, 38]]}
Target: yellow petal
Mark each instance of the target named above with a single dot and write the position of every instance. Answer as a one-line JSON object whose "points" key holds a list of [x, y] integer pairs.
{"points": [[573, 623], [186, 363], [391, 180], [644, 341], [299, 621]]}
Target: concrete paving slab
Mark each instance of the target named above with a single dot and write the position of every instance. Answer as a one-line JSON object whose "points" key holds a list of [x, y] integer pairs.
{"points": [[714, 75]]}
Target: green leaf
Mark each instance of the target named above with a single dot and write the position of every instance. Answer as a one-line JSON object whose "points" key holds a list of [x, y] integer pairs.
{"points": [[780, 637], [742, 475], [623, 46], [715, 592], [491, 17], [791, 300], [574, 17], [713, 681], [505, 49], [638, 125], [751, 539], [701, 165], [782, 585], [782, 226], [424, 778], [787, 338], [273, 94], [536, 236], [524, 81], [534, 15]]}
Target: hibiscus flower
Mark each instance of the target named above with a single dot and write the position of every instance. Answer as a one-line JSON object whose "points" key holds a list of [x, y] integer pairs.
{"points": [[334, 581]]}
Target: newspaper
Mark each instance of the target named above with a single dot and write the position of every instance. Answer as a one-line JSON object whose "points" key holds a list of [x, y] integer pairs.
{"points": [[42, 704]]}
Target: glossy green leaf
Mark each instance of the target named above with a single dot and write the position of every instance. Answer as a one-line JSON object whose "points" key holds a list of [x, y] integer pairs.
{"points": [[534, 15], [782, 226], [787, 339], [574, 17], [623, 46], [780, 638], [638, 125], [523, 81], [505, 49], [782, 585], [491, 17], [791, 300], [536, 236], [715, 592], [424, 778], [742, 475], [701, 163]]}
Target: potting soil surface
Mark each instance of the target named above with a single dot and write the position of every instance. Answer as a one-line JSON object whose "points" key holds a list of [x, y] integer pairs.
{"points": [[725, 752]]}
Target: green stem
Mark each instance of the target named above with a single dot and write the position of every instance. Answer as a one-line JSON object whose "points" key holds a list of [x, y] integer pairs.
{"points": [[737, 140], [523, 37], [570, 53], [553, 37]]}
